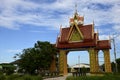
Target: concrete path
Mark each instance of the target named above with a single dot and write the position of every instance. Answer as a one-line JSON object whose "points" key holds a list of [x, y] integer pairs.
{"points": [[59, 78]]}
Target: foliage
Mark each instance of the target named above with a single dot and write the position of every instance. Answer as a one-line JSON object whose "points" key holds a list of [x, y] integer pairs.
{"points": [[27, 60], [9, 71], [113, 65], [29, 77], [2, 77], [8, 68], [118, 64], [46, 53], [1, 72], [38, 57], [19, 77], [13, 77]]}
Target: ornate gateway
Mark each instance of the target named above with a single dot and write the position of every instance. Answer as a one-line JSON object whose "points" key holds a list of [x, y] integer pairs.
{"points": [[82, 37]]}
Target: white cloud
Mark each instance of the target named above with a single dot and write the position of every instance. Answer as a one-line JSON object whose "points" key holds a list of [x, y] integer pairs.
{"points": [[118, 39], [117, 27], [14, 51], [13, 13], [103, 37], [35, 31]]}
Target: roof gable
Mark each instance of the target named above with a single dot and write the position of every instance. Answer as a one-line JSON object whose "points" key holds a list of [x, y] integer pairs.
{"points": [[85, 31], [74, 34], [64, 34]]}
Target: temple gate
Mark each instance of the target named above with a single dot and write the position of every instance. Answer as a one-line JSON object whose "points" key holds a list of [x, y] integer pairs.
{"points": [[82, 37]]}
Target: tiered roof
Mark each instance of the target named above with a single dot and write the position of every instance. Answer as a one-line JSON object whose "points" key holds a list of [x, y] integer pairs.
{"points": [[88, 38]]}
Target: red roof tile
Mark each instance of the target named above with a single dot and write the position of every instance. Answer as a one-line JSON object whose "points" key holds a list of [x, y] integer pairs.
{"points": [[64, 34], [85, 30], [75, 45], [90, 40], [103, 44]]}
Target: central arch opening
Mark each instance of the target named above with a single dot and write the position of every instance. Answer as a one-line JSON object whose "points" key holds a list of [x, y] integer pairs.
{"points": [[101, 61], [77, 59]]}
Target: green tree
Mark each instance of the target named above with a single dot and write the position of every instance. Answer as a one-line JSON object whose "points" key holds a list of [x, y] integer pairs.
{"points": [[118, 64], [27, 60], [38, 57], [113, 66], [8, 68]]}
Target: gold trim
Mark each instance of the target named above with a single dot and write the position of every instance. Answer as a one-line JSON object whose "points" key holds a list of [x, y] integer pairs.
{"points": [[71, 29]]}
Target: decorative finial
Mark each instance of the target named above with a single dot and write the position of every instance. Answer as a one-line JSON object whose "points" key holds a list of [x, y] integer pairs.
{"points": [[109, 37], [93, 22], [75, 8], [75, 14], [60, 27]]}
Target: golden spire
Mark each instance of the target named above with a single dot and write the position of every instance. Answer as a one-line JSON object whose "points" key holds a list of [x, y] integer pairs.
{"points": [[75, 8], [60, 32], [75, 14], [93, 22], [60, 29]]}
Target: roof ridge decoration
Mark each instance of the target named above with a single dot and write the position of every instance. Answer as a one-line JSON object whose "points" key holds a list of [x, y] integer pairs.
{"points": [[78, 35], [60, 31], [77, 18], [74, 22], [76, 10]]}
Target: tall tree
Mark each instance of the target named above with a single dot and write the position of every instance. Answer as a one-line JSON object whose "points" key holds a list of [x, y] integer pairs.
{"points": [[118, 64], [38, 57]]}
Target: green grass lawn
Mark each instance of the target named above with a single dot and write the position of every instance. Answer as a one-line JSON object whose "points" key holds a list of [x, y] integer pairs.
{"points": [[31, 77], [105, 77], [18, 77]]}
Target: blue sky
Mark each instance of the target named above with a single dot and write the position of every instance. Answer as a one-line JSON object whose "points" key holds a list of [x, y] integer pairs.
{"points": [[23, 22]]}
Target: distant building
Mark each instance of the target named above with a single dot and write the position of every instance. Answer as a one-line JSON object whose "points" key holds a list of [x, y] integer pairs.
{"points": [[80, 66]]}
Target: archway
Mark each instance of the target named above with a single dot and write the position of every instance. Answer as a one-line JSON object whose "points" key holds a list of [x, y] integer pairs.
{"points": [[101, 61], [77, 57], [77, 60], [82, 37]]}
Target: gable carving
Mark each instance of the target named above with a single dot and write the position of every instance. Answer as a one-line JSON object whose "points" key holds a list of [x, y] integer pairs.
{"points": [[75, 34]]}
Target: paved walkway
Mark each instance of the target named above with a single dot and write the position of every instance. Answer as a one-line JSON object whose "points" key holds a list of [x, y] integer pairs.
{"points": [[59, 78]]}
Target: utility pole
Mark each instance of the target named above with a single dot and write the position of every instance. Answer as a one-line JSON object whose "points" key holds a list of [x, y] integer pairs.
{"points": [[116, 69], [114, 45], [79, 62]]}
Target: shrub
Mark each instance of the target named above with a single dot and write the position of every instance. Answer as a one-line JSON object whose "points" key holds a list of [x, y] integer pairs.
{"points": [[9, 71], [38, 78], [2, 77], [30, 77], [18, 77], [27, 77], [13, 77]]}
